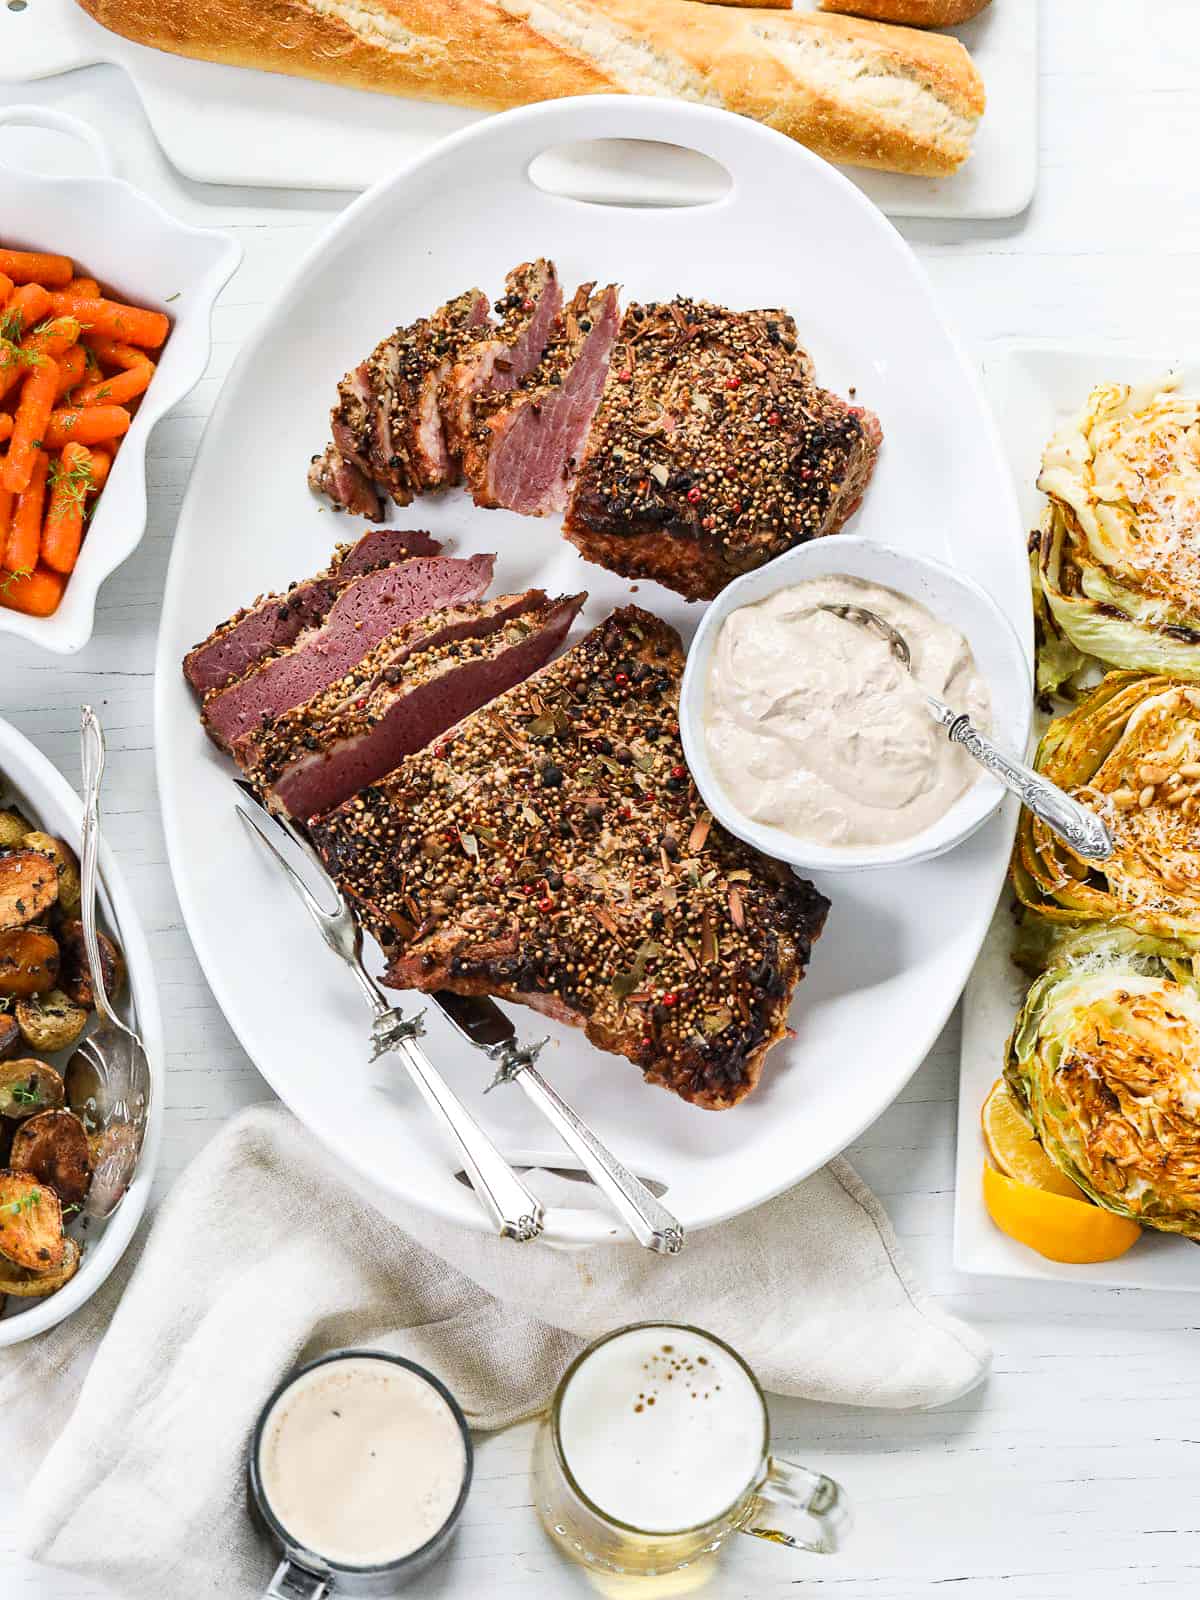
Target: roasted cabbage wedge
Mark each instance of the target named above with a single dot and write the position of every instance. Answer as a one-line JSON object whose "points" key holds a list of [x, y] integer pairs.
{"points": [[1131, 750], [1105, 1061], [1119, 566]]}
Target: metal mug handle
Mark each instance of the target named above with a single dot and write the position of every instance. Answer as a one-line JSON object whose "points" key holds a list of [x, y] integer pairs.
{"points": [[292, 1582], [801, 1509]]}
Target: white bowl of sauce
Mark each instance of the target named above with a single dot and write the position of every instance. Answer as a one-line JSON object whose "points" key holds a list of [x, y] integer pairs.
{"points": [[808, 739]]}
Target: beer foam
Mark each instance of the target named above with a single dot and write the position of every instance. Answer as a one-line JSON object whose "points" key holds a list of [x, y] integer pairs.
{"points": [[662, 1429], [361, 1461]]}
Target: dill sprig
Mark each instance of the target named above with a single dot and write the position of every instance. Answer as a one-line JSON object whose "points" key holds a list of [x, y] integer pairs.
{"points": [[12, 577], [69, 486]]}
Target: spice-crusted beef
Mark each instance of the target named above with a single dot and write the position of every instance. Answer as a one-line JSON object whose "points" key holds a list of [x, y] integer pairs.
{"points": [[552, 850], [345, 485], [276, 620], [406, 373], [365, 611], [522, 452], [408, 690], [386, 424], [713, 449], [528, 310]]}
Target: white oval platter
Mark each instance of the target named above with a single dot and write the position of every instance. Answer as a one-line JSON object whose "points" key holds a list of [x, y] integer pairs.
{"points": [[898, 945], [47, 799]]}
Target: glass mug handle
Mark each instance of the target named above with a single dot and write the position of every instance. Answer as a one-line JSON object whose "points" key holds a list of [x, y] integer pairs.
{"points": [[292, 1582], [809, 1508]]}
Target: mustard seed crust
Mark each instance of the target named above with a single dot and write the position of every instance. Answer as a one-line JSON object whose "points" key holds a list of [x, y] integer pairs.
{"points": [[713, 449], [552, 849]]}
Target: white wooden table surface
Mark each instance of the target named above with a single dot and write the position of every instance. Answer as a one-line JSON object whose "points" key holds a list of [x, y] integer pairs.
{"points": [[1074, 1470]]}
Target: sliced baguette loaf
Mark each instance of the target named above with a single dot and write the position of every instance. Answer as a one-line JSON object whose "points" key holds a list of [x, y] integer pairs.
{"points": [[853, 91]]}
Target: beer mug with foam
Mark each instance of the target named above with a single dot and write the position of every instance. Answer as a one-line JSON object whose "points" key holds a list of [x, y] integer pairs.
{"points": [[656, 1448]]}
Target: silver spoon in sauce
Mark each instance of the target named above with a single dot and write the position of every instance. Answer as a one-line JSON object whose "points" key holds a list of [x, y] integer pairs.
{"points": [[1078, 827]]}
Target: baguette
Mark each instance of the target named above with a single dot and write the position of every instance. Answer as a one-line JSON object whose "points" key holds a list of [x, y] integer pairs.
{"points": [[853, 91], [913, 13]]}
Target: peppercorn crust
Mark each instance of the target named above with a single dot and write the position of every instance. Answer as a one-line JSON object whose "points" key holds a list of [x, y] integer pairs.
{"points": [[713, 449], [551, 849]]}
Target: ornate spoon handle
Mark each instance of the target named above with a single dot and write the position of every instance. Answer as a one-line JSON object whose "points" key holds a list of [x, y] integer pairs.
{"points": [[1078, 827]]}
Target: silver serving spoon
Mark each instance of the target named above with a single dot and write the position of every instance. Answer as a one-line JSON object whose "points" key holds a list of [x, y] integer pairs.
{"points": [[108, 1077], [1075, 824]]}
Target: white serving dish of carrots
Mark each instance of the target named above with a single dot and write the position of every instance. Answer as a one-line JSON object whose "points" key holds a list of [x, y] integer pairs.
{"points": [[91, 356]]}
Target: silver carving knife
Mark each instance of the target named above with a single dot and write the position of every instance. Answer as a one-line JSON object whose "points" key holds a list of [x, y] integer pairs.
{"points": [[513, 1207], [482, 1024]]}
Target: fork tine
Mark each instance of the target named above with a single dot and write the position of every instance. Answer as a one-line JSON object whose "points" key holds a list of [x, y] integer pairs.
{"points": [[311, 904]]}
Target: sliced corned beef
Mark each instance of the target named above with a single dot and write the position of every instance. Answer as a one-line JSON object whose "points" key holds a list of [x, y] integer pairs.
{"points": [[345, 485], [413, 687], [407, 378], [277, 620], [386, 425], [364, 612], [529, 309], [523, 455]]}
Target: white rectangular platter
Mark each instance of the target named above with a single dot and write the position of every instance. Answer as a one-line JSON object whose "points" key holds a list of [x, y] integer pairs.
{"points": [[222, 124], [1031, 388]]}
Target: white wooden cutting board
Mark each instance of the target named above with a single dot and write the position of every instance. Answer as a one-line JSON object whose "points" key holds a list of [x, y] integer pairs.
{"points": [[231, 125]]}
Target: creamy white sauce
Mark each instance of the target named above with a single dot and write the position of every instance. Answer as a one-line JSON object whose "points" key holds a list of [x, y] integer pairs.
{"points": [[361, 1461], [812, 725]]}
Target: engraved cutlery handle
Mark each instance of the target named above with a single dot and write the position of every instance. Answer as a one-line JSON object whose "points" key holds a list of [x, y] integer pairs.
{"points": [[1080, 828], [513, 1207], [91, 737], [651, 1224]]}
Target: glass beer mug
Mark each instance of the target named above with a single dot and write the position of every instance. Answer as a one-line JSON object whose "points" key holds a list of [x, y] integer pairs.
{"points": [[359, 1470], [656, 1448]]}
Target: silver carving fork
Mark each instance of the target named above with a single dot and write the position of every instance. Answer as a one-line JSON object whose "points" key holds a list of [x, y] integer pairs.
{"points": [[515, 1210], [481, 1023]]}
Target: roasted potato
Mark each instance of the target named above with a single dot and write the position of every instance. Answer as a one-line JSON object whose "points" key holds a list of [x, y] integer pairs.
{"points": [[13, 828], [25, 1285], [53, 1147], [10, 1035], [27, 1087], [28, 887], [50, 1022], [31, 1231], [28, 961], [66, 864], [76, 974]]}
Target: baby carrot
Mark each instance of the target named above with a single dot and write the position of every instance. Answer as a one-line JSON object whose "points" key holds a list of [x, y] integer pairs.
{"points": [[92, 425], [6, 426], [25, 530], [36, 593], [112, 353], [29, 424], [88, 287], [131, 324], [118, 390], [101, 465], [26, 305], [62, 531], [6, 288], [6, 501], [72, 369], [51, 339], [32, 266]]}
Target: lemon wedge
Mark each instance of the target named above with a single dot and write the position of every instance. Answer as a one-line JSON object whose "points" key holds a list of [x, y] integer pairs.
{"points": [[1015, 1148], [1056, 1226]]}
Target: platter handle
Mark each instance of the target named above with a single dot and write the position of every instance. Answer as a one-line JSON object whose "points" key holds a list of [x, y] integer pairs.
{"points": [[27, 116]]}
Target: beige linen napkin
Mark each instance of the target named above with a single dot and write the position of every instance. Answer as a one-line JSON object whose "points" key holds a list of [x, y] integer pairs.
{"points": [[131, 1451]]}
